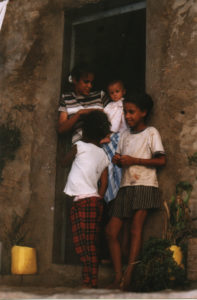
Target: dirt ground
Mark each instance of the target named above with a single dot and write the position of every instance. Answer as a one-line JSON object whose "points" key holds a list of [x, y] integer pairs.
{"points": [[7, 292]]}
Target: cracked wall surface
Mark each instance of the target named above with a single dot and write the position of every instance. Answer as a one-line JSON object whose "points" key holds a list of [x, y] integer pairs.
{"points": [[171, 80]]}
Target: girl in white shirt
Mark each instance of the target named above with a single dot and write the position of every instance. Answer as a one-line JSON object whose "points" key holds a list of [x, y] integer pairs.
{"points": [[139, 153], [90, 166]]}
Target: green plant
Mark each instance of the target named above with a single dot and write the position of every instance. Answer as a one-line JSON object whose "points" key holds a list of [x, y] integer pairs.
{"points": [[180, 225], [10, 141], [192, 159], [157, 269], [17, 232]]}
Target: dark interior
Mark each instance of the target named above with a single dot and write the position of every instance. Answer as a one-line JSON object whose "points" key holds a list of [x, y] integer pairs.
{"points": [[116, 47]]}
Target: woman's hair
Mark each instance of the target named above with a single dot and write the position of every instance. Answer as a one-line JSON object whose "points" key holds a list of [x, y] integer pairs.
{"points": [[142, 100], [95, 125], [81, 70]]}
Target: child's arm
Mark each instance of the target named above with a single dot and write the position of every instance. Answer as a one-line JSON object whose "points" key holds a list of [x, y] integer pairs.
{"points": [[126, 161], [103, 183], [68, 159], [65, 124]]}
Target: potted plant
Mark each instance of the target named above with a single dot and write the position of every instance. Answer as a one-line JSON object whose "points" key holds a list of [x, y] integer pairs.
{"points": [[23, 258]]}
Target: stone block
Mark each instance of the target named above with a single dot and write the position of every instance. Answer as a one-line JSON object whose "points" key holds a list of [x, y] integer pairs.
{"points": [[192, 259]]}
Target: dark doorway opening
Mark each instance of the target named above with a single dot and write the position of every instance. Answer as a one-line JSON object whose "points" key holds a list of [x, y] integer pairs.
{"points": [[116, 48], [112, 37]]}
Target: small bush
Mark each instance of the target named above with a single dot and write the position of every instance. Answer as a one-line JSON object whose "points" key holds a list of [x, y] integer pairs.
{"points": [[157, 269]]}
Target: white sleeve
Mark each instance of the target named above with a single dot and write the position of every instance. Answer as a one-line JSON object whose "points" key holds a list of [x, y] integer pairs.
{"points": [[106, 162], [155, 142], [80, 147], [62, 104], [120, 143]]}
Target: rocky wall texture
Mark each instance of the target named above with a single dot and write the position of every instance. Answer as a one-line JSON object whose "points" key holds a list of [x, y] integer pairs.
{"points": [[171, 80], [31, 52], [30, 71]]}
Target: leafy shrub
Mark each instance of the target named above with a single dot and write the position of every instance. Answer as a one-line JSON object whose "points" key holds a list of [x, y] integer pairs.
{"points": [[157, 269]]}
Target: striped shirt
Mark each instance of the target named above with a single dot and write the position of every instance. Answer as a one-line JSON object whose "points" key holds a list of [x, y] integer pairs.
{"points": [[72, 103]]}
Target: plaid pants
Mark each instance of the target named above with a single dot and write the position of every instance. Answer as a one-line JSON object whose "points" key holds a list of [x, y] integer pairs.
{"points": [[86, 216]]}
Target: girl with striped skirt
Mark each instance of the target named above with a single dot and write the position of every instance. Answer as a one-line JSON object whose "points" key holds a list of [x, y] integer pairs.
{"points": [[140, 152]]}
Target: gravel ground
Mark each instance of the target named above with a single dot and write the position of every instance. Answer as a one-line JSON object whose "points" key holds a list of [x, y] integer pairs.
{"points": [[7, 292]]}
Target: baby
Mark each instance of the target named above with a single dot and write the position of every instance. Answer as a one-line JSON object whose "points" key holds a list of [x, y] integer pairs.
{"points": [[115, 113], [114, 109]]}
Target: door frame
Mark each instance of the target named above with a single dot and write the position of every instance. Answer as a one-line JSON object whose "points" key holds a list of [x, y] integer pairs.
{"points": [[97, 16], [71, 21]]}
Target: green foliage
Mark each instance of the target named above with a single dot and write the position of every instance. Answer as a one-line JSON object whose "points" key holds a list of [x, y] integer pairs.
{"points": [[180, 226], [157, 269], [192, 159], [17, 233], [10, 141]]}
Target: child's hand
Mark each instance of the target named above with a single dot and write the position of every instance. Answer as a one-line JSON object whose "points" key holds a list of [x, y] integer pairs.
{"points": [[126, 160], [87, 110], [116, 159], [105, 140]]}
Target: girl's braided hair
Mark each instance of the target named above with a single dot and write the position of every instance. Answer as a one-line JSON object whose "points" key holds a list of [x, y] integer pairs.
{"points": [[95, 125]]}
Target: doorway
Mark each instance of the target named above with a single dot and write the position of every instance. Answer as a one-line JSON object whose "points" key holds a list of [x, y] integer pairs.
{"points": [[112, 37]]}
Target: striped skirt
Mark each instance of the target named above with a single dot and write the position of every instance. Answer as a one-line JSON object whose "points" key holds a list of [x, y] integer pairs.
{"points": [[131, 198]]}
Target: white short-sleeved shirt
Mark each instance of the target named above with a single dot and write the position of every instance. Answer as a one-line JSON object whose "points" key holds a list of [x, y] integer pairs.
{"points": [[114, 111], [145, 144], [86, 170]]}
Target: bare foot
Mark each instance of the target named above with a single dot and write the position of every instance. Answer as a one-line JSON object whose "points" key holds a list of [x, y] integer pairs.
{"points": [[85, 286], [116, 283], [126, 281], [114, 286]]}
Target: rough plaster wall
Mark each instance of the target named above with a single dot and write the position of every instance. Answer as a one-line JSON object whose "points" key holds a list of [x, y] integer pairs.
{"points": [[171, 80], [30, 70], [30, 78]]}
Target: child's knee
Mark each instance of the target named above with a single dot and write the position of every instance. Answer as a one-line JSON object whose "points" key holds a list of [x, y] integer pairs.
{"points": [[135, 231], [110, 234]]}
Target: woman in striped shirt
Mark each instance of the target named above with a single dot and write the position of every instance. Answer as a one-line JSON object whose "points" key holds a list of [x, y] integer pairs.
{"points": [[79, 101]]}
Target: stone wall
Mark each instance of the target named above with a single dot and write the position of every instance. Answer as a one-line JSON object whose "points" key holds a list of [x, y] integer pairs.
{"points": [[171, 80], [30, 80], [31, 61]]}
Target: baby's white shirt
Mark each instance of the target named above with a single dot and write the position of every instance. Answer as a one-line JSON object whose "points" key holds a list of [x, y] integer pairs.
{"points": [[114, 111]]}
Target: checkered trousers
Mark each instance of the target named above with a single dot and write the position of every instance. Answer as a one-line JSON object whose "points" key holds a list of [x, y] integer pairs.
{"points": [[86, 216]]}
